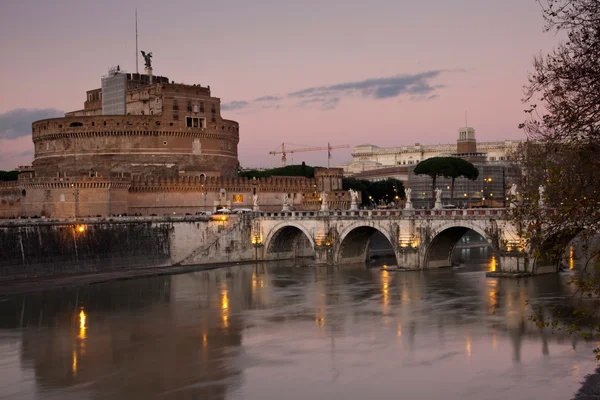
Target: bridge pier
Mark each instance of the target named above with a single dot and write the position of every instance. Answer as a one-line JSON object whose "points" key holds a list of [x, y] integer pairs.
{"points": [[512, 263], [408, 258], [323, 255]]}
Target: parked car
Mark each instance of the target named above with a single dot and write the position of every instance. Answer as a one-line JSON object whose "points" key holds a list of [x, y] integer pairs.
{"points": [[242, 210], [223, 211]]}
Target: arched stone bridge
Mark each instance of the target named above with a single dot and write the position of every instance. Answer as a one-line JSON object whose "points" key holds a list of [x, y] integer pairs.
{"points": [[420, 238]]}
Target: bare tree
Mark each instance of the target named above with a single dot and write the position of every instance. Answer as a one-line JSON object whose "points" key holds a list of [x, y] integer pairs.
{"points": [[563, 156]]}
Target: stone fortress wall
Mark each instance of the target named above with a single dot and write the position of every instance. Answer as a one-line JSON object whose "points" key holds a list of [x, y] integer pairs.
{"points": [[133, 144], [10, 199]]}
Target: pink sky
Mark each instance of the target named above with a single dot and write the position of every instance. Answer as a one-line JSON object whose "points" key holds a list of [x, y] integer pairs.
{"points": [[480, 51]]}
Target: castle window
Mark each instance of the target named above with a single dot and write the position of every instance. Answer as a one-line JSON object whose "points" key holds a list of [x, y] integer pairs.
{"points": [[165, 143], [189, 106], [175, 105], [213, 109], [93, 123], [193, 122], [75, 124], [201, 107], [175, 115]]}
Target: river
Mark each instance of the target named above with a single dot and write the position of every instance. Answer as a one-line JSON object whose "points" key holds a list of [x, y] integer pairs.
{"points": [[279, 331]]}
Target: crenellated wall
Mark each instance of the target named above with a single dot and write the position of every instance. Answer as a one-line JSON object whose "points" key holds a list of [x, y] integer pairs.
{"points": [[69, 197], [97, 195], [10, 199]]}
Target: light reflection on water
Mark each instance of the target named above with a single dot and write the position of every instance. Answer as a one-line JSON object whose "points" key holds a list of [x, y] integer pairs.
{"points": [[279, 331]]}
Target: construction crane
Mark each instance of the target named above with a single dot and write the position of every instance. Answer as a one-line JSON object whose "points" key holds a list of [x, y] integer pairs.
{"points": [[283, 151]]}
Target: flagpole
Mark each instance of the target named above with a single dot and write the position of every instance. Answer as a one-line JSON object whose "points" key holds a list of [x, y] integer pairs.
{"points": [[137, 71]]}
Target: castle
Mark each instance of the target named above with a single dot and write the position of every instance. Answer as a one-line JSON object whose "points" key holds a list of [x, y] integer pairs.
{"points": [[145, 145]]}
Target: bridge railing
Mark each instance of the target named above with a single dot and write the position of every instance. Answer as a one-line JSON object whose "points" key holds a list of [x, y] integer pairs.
{"points": [[449, 213]]}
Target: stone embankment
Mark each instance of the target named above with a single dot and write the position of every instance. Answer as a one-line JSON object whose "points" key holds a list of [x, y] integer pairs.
{"points": [[36, 248]]}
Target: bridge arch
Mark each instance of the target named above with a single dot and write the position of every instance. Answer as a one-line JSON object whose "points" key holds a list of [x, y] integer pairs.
{"points": [[548, 255], [282, 239], [354, 242], [443, 240]]}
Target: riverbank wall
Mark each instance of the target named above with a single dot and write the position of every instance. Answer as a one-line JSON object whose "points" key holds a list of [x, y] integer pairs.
{"points": [[41, 248]]}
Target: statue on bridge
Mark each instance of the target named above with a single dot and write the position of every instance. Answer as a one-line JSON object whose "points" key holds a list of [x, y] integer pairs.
{"points": [[438, 199], [286, 206], [513, 195], [255, 202], [353, 200], [408, 205], [324, 205]]}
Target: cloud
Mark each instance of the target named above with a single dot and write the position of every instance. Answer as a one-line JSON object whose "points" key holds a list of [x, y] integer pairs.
{"points": [[234, 105], [268, 98], [417, 87], [378, 88], [16, 123], [14, 152], [330, 104], [26, 153]]}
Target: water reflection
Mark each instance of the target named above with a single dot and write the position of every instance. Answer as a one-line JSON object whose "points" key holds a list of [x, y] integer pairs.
{"points": [[263, 330]]}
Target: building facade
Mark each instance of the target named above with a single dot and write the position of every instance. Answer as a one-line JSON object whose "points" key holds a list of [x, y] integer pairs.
{"points": [[368, 157], [494, 160]]}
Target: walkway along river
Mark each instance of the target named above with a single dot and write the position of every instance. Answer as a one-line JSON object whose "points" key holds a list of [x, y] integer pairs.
{"points": [[274, 331]]}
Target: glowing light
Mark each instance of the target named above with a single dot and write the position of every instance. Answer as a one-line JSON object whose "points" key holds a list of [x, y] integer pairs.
{"points": [[74, 364], [493, 264], [415, 242], [225, 308], [82, 326], [224, 300], [571, 258], [256, 239], [223, 218], [385, 279], [204, 340], [468, 345], [320, 321], [493, 295], [80, 228]]}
